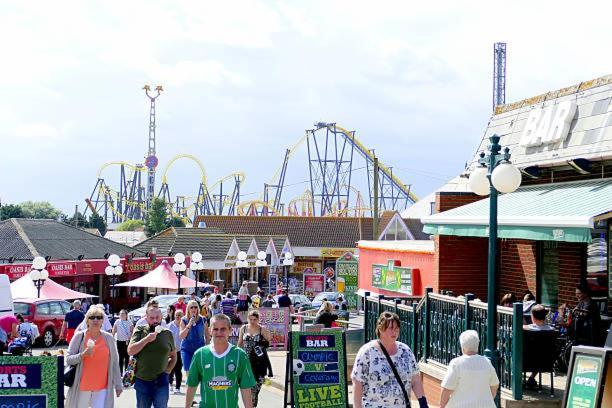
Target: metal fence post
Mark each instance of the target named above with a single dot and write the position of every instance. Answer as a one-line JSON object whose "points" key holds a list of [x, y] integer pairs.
{"points": [[427, 324], [415, 329], [517, 351], [396, 302], [467, 312], [366, 317]]}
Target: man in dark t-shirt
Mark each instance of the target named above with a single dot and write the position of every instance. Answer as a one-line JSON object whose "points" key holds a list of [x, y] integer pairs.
{"points": [[285, 300], [71, 321]]}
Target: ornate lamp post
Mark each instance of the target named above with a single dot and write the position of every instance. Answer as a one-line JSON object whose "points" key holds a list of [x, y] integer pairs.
{"points": [[196, 266], [287, 262], [113, 271], [179, 267], [260, 263], [39, 274], [495, 174], [241, 262]]}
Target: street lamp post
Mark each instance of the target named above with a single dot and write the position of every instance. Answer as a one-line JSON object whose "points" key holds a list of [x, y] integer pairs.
{"points": [[260, 263], [241, 262], [179, 267], [196, 266], [113, 271], [495, 174], [39, 274], [287, 262]]}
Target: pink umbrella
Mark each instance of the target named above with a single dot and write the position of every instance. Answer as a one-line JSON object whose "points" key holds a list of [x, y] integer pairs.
{"points": [[162, 277], [24, 288]]}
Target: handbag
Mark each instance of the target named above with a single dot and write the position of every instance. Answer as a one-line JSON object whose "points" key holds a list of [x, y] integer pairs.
{"points": [[397, 377], [70, 371], [129, 375]]}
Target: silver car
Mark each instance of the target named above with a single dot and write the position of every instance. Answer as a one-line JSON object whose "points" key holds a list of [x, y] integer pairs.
{"points": [[163, 300]]}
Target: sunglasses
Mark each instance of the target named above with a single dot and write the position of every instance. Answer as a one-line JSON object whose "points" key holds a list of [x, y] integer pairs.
{"points": [[193, 307], [96, 317]]}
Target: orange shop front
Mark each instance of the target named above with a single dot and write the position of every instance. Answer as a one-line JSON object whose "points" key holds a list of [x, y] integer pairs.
{"points": [[409, 263]]}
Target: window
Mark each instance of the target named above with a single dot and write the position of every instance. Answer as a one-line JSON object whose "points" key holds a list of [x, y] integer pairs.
{"points": [[395, 231], [56, 309], [22, 308], [597, 262], [549, 274], [42, 309]]}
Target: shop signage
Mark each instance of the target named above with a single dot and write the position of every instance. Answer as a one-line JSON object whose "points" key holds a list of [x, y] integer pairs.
{"points": [[391, 277], [307, 267], [314, 283], [318, 370], [31, 381], [584, 380], [272, 282], [548, 125], [347, 270], [276, 320], [16, 271], [335, 252]]}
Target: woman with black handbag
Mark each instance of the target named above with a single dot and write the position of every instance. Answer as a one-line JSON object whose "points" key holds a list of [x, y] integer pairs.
{"points": [[96, 377], [385, 370], [255, 340]]}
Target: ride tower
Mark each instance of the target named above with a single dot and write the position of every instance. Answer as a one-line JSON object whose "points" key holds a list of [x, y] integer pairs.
{"points": [[151, 160], [499, 74]]}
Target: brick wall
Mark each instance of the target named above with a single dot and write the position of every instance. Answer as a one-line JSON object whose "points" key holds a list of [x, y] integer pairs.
{"points": [[570, 267], [448, 201], [460, 265], [518, 263]]}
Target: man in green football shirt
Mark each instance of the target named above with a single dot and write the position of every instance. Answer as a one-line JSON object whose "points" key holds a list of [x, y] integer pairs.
{"points": [[220, 369]]}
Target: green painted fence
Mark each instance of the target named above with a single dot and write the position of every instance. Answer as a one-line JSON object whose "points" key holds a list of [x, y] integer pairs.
{"points": [[431, 327]]}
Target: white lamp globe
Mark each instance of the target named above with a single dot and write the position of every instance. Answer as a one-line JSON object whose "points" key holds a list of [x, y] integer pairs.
{"points": [[261, 255], [118, 270], [179, 258], [288, 262], [176, 267], [478, 181], [109, 270], [39, 263], [242, 256], [260, 263], [35, 274], [182, 267], [288, 255], [196, 257], [44, 274], [506, 178], [114, 260]]}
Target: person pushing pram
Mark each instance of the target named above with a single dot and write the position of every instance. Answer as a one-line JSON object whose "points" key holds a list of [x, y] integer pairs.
{"points": [[28, 332]]}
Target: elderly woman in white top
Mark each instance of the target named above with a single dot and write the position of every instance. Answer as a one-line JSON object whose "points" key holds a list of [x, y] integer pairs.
{"points": [[471, 380]]}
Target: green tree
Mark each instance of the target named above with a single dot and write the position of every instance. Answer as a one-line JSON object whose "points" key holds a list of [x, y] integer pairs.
{"points": [[130, 225], [95, 221], [39, 210], [156, 217], [77, 220], [175, 222], [10, 211]]}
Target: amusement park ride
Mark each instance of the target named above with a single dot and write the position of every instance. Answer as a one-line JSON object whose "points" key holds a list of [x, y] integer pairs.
{"points": [[332, 151]]}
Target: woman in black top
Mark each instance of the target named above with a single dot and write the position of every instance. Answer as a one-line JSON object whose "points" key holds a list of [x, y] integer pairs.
{"points": [[325, 315]]}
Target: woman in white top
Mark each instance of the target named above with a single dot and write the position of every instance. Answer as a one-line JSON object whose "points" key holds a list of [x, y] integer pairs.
{"points": [[470, 380], [122, 331]]}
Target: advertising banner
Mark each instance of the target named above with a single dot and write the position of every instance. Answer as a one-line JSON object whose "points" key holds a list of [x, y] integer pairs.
{"points": [[318, 370], [278, 321], [393, 278], [347, 270], [584, 381], [307, 267], [16, 271], [32, 381], [272, 282], [314, 283]]}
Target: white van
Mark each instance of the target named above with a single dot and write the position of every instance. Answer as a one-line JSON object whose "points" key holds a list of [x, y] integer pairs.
{"points": [[6, 298]]}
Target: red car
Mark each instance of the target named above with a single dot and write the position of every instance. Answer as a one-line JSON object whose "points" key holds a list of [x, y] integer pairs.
{"points": [[47, 315]]}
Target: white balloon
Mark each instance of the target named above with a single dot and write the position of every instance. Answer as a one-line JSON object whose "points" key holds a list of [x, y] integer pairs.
{"points": [[109, 270], [478, 181], [39, 263], [179, 258], [114, 260], [196, 257], [506, 178]]}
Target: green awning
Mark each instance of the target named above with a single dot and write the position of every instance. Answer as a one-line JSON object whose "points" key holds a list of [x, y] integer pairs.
{"points": [[548, 212]]}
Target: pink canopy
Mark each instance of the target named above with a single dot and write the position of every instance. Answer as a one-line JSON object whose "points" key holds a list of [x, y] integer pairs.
{"points": [[24, 288], [162, 277]]}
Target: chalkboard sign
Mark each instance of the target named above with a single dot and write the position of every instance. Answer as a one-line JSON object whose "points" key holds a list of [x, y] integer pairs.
{"points": [[586, 379], [32, 381], [316, 370]]}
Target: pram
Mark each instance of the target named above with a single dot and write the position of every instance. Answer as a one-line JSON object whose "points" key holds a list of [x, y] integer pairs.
{"points": [[20, 346]]}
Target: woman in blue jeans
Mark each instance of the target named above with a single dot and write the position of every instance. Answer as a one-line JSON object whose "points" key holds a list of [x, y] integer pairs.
{"points": [[194, 333]]}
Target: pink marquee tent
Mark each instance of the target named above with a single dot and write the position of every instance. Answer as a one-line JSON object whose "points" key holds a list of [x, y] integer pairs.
{"points": [[24, 288], [163, 277]]}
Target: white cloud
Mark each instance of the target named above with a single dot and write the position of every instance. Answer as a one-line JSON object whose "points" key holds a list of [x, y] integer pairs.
{"points": [[189, 72]]}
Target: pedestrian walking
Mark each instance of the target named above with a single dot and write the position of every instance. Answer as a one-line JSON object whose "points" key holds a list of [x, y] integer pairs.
{"points": [[269, 302], [122, 331], [326, 315], [385, 370], [143, 320], [470, 379], [72, 320], [176, 376], [8, 330], [228, 306], [254, 339], [106, 324], [215, 306], [170, 314], [220, 369], [285, 301], [193, 334], [181, 305], [97, 375], [155, 351]]}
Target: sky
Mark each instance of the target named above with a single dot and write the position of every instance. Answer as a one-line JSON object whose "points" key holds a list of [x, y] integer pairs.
{"points": [[243, 80]]}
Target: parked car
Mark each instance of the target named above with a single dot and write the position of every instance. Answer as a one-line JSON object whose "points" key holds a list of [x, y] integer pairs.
{"points": [[163, 300], [330, 296], [298, 301], [47, 315]]}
